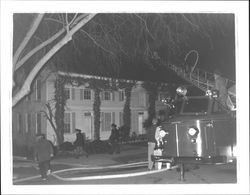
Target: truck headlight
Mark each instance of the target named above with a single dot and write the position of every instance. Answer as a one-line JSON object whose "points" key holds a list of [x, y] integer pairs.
{"points": [[163, 133], [193, 131]]}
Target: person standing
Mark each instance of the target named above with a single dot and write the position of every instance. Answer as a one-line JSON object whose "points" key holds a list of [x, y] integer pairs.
{"points": [[151, 142], [221, 87], [43, 152], [114, 139], [79, 143]]}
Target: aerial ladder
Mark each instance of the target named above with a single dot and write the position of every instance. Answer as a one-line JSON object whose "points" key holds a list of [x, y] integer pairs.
{"points": [[204, 80]]}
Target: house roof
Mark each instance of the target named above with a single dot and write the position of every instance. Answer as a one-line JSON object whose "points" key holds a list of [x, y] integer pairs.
{"points": [[138, 72]]}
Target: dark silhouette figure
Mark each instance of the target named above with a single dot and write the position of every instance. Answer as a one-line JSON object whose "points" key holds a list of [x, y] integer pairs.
{"points": [[114, 140]]}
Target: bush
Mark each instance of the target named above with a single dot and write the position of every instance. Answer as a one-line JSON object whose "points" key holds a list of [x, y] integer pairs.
{"points": [[66, 146], [23, 150], [97, 147]]}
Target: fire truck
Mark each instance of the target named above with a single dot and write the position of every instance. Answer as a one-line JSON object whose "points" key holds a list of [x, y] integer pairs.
{"points": [[201, 131]]}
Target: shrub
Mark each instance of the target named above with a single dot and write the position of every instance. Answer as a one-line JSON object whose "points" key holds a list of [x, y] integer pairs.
{"points": [[97, 147], [23, 150], [66, 146]]}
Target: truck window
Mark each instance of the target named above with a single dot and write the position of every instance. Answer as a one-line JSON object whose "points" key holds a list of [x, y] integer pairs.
{"points": [[196, 105]]}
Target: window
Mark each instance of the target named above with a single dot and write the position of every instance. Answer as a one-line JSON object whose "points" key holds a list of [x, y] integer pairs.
{"points": [[38, 90], [106, 95], [121, 95], [67, 93], [67, 123], [38, 123], [28, 123], [87, 94]]}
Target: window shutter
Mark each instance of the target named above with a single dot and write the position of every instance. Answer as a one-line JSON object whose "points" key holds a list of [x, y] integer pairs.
{"points": [[113, 96], [102, 121], [73, 93], [19, 127], [38, 90], [90, 91], [81, 94], [121, 118], [26, 122], [39, 122], [120, 95], [113, 117], [73, 121], [102, 95]]}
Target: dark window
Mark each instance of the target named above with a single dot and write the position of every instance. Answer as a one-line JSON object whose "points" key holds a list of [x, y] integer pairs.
{"points": [[87, 94], [121, 95], [67, 123], [107, 95], [195, 105]]}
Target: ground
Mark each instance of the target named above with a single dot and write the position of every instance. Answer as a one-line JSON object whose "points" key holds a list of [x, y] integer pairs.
{"points": [[27, 173]]}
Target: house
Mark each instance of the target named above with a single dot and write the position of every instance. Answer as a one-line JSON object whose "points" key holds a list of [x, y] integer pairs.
{"points": [[28, 117]]}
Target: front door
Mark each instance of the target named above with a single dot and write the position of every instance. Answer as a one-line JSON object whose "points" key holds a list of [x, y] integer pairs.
{"points": [[87, 125], [141, 129]]}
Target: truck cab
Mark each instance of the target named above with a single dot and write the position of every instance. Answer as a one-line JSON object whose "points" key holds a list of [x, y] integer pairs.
{"points": [[201, 132]]}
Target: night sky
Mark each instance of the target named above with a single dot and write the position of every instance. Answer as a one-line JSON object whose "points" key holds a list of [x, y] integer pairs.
{"points": [[218, 55]]}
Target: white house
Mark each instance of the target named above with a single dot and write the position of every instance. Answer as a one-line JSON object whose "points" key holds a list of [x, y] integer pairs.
{"points": [[28, 119]]}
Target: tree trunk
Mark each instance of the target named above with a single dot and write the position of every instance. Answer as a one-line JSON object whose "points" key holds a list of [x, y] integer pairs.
{"points": [[126, 109], [96, 109], [59, 112]]}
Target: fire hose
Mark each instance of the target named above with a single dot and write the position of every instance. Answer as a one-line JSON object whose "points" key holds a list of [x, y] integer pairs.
{"points": [[138, 164]]}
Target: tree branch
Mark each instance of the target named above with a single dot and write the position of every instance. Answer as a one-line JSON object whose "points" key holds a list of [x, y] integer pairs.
{"points": [[25, 89], [95, 42], [146, 26], [28, 36], [195, 25], [36, 49]]}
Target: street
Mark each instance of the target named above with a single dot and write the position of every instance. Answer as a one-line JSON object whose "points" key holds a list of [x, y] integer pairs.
{"points": [[204, 174]]}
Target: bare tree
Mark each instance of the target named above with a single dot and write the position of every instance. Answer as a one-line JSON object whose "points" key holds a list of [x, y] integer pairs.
{"points": [[116, 36], [70, 29]]}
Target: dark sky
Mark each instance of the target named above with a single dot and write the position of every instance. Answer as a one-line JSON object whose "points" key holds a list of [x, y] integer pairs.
{"points": [[218, 55]]}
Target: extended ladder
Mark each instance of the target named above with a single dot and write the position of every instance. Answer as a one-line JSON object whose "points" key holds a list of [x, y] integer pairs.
{"points": [[205, 81], [202, 79]]}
